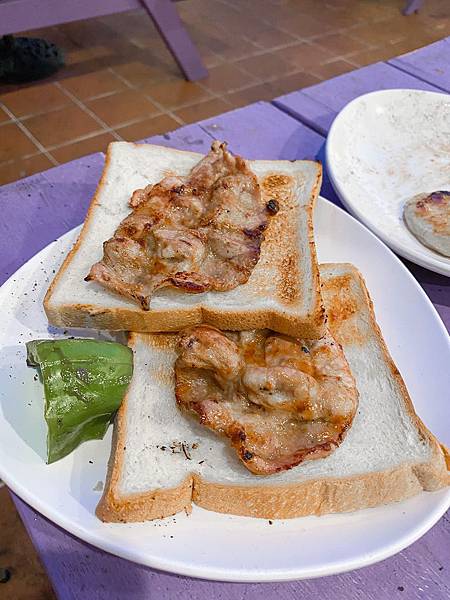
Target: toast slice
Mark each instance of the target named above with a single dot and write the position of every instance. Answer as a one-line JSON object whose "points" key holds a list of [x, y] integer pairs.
{"points": [[163, 460], [282, 293]]}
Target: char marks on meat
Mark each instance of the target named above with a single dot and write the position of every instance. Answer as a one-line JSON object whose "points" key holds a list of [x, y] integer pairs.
{"points": [[280, 400], [196, 233]]}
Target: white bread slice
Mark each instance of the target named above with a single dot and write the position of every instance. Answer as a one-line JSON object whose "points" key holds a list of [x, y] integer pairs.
{"points": [[387, 455], [283, 292]]}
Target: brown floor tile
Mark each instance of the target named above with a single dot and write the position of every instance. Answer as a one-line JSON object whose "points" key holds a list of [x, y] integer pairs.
{"points": [[93, 84], [14, 143], [74, 57], [368, 57], [28, 578], [386, 52], [380, 33], [202, 110], [341, 44], [3, 116], [62, 125], [137, 73], [33, 100], [262, 91], [296, 81], [265, 66], [303, 26], [282, 12], [305, 56], [129, 23], [122, 107], [369, 10], [402, 47], [97, 143], [83, 33], [272, 38], [333, 69], [248, 25], [23, 167], [334, 19], [227, 77], [211, 59], [173, 94], [147, 128], [235, 48]]}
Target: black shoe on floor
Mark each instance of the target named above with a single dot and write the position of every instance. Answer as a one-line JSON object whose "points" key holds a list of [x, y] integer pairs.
{"points": [[26, 59]]}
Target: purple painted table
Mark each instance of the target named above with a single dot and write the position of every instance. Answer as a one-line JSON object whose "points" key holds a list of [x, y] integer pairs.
{"points": [[37, 209]]}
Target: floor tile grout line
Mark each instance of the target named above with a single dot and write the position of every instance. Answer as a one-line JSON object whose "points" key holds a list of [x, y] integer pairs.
{"points": [[259, 52], [87, 110], [339, 30], [157, 104], [360, 21], [30, 136]]}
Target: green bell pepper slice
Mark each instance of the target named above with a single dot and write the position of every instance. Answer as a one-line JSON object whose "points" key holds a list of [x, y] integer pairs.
{"points": [[84, 384]]}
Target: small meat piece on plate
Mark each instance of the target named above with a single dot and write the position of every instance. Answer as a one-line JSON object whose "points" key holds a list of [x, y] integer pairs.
{"points": [[280, 400], [196, 233], [428, 219]]}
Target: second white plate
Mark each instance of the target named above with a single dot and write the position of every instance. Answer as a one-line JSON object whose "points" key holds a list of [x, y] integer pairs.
{"points": [[382, 149]]}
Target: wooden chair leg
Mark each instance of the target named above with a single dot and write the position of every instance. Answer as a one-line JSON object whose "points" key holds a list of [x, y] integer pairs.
{"points": [[169, 25], [412, 6]]}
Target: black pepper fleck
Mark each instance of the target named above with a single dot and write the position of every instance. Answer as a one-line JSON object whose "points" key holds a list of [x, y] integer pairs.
{"points": [[272, 206], [247, 455]]}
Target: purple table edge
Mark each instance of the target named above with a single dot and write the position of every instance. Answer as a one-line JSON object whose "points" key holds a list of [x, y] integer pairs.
{"points": [[419, 570]]}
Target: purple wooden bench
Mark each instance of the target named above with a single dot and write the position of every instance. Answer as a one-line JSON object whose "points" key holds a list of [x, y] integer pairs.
{"points": [[293, 126], [21, 15]]}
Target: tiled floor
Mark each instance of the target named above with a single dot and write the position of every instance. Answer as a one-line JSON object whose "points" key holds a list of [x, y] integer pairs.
{"points": [[120, 82]]}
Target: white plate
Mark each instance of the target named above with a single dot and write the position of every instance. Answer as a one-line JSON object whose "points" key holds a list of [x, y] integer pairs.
{"points": [[207, 544], [382, 149]]}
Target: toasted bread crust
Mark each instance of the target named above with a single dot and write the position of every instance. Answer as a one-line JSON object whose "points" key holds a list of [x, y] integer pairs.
{"points": [[123, 319], [284, 320], [155, 504], [315, 497]]}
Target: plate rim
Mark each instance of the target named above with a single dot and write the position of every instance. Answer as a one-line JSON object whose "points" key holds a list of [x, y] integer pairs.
{"points": [[431, 263], [213, 573]]}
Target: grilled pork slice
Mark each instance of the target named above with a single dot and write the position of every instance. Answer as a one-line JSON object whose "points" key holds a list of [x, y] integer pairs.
{"points": [[200, 232], [162, 462], [428, 219], [280, 400]]}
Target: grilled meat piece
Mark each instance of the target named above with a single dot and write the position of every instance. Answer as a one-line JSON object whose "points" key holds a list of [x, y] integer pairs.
{"points": [[196, 233], [280, 400]]}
